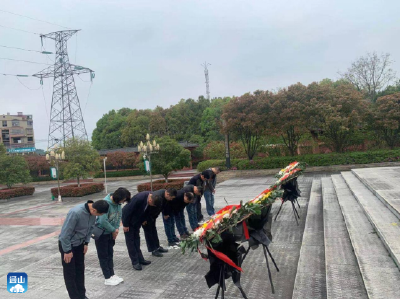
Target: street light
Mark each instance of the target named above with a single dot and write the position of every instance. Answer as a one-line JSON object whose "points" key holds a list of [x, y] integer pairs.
{"points": [[56, 155], [147, 149], [105, 173]]}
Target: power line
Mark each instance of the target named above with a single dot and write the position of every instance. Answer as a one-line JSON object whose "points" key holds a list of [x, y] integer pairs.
{"points": [[17, 75], [9, 12], [20, 30], [27, 61], [27, 86], [43, 52], [90, 88]]}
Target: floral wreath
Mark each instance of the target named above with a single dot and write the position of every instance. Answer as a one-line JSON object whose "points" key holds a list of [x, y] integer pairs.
{"points": [[231, 215]]}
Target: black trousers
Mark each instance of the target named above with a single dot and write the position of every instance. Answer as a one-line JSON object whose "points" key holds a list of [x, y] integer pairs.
{"points": [[198, 207], [105, 252], [132, 240], [74, 272], [151, 236]]}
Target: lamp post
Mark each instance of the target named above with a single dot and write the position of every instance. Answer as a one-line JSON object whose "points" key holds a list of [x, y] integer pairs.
{"points": [[105, 173], [56, 155], [147, 149]]}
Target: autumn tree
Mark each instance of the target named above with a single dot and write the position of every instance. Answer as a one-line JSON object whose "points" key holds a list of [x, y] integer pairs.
{"points": [[82, 159], [339, 115], [36, 163], [387, 119], [246, 118], [370, 73], [288, 115]]}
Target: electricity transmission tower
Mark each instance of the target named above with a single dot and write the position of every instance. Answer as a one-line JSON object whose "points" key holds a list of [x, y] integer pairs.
{"points": [[66, 120], [207, 81]]}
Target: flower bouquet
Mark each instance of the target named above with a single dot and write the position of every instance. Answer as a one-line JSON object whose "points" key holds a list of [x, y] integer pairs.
{"points": [[231, 217]]}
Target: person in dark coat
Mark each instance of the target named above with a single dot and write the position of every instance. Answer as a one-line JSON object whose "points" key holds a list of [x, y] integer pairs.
{"points": [[173, 212], [194, 209], [150, 229], [134, 215]]}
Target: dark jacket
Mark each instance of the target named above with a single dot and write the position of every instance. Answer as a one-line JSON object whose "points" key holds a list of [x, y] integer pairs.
{"points": [[135, 212], [212, 182], [178, 204], [155, 211]]}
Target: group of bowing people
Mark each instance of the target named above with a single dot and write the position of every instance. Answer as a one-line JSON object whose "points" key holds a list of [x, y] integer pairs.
{"points": [[142, 210]]}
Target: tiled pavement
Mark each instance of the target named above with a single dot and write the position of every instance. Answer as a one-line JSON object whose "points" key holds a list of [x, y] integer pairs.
{"points": [[29, 227]]}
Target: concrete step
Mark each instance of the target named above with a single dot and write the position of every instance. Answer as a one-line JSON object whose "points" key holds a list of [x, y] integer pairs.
{"points": [[386, 224], [383, 183], [343, 276], [379, 272], [310, 279]]}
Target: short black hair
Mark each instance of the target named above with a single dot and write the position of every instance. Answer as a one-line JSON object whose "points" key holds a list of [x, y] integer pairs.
{"points": [[189, 195], [157, 200], [101, 206], [121, 194], [201, 189], [172, 192], [207, 174]]}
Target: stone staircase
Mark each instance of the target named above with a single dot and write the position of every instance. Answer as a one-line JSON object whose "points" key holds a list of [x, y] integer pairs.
{"points": [[351, 240]]}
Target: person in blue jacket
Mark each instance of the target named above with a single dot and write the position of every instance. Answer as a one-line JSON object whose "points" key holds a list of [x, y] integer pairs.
{"points": [[73, 244], [110, 222]]}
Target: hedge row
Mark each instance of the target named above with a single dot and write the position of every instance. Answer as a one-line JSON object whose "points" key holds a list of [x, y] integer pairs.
{"points": [[17, 192], [161, 184], [44, 178], [313, 160], [125, 173], [75, 191]]}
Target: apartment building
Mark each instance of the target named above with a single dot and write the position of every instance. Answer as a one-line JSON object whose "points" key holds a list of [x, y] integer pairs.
{"points": [[17, 132]]}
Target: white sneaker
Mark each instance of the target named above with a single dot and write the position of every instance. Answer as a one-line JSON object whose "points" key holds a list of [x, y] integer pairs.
{"points": [[119, 279], [111, 281]]}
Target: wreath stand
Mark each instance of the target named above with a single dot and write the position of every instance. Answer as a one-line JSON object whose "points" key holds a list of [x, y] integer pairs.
{"points": [[291, 193]]}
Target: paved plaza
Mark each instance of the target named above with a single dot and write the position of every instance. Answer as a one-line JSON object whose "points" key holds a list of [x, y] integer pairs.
{"points": [[29, 227]]}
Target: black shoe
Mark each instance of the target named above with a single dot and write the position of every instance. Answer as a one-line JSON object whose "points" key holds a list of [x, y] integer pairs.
{"points": [[156, 253], [162, 250], [145, 262], [138, 267], [176, 240]]}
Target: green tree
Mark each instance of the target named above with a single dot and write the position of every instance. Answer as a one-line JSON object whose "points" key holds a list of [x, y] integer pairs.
{"points": [[82, 159], [3, 150], [210, 124], [137, 126], [247, 119], [13, 169], [108, 131], [171, 157]]}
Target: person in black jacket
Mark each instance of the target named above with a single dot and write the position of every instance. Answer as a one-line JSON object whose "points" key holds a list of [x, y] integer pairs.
{"points": [[135, 214], [194, 209], [173, 212], [150, 229]]}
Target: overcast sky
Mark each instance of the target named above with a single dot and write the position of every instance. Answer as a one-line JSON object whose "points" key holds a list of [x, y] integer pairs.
{"points": [[149, 53]]}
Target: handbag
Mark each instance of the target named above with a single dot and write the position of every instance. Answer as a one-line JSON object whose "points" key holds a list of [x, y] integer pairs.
{"points": [[97, 232]]}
